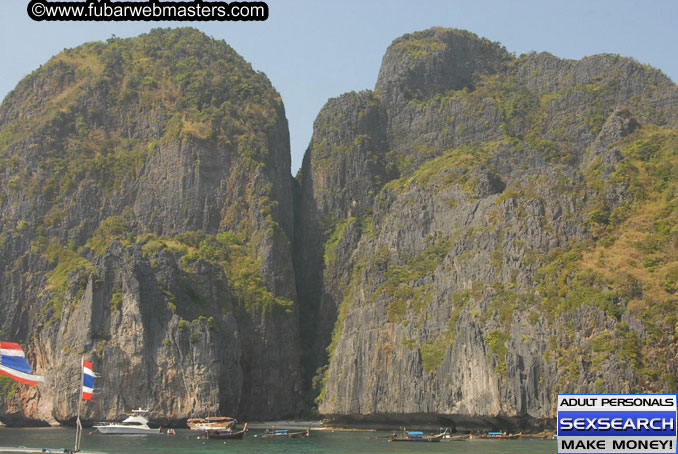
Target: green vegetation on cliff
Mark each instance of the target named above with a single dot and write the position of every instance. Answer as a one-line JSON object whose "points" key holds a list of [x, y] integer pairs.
{"points": [[630, 264], [477, 218], [101, 111], [553, 183], [146, 191], [103, 108]]}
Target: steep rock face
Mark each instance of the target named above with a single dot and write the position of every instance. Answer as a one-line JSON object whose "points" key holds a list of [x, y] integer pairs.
{"points": [[488, 274], [147, 220], [347, 157], [422, 82], [338, 179], [475, 235], [425, 63]]}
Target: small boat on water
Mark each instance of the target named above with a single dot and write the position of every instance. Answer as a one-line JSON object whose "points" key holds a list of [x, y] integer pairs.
{"points": [[286, 433], [211, 423], [449, 437], [226, 434], [418, 437], [134, 424], [497, 436]]}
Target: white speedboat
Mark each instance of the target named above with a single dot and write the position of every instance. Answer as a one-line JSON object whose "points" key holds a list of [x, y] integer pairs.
{"points": [[135, 424]]}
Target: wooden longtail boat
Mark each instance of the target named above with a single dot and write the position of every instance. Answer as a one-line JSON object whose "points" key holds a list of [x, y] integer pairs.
{"points": [[226, 434], [449, 437], [418, 437], [498, 436], [285, 433], [211, 423]]}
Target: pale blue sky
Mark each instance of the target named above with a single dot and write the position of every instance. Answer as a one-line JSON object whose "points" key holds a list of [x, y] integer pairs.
{"points": [[313, 50]]}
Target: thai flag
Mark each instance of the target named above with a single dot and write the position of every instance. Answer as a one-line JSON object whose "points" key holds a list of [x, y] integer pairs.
{"points": [[87, 380], [14, 364]]}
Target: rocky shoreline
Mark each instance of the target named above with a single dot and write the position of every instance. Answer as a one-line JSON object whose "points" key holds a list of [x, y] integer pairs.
{"points": [[533, 429]]}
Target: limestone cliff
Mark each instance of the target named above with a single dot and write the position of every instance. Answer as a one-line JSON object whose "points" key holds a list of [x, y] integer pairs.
{"points": [[476, 234], [146, 207], [491, 231]]}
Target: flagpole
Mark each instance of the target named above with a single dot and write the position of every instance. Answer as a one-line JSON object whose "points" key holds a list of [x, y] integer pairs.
{"points": [[78, 425]]}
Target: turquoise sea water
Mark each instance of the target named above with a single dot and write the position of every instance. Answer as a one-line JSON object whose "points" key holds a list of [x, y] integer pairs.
{"points": [[320, 442]]}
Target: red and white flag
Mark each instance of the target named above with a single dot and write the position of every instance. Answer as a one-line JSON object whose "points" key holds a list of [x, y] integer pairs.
{"points": [[87, 380], [14, 364]]}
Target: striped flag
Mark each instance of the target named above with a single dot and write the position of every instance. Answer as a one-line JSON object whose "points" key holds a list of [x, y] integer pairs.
{"points": [[87, 380], [14, 364]]}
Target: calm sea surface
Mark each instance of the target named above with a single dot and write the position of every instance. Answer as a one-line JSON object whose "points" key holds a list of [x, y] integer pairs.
{"points": [[320, 442]]}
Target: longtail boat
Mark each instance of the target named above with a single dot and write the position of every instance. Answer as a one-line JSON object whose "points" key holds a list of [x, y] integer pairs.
{"points": [[497, 436], [226, 434], [418, 437], [286, 433], [211, 423]]}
